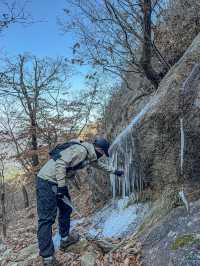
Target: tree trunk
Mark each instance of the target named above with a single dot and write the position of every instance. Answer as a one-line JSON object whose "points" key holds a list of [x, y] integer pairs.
{"points": [[146, 57], [3, 213], [34, 144], [25, 196]]}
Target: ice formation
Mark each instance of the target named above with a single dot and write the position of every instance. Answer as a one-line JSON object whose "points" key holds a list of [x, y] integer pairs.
{"points": [[124, 156]]}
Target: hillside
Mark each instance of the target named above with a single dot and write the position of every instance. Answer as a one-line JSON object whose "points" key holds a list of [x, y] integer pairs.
{"points": [[126, 92]]}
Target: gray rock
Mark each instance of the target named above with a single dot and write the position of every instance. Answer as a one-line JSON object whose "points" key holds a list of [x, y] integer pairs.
{"points": [[27, 254], [5, 254], [88, 259], [3, 248], [174, 241], [23, 258], [13, 264], [158, 133], [79, 248]]}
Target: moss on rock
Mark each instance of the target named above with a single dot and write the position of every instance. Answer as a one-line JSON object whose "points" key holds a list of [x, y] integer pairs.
{"points": [[183, 241]]}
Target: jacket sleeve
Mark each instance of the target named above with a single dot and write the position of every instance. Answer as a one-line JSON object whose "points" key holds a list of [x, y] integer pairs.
{"points": [[61, 172], [102, 166], [69, 157]]}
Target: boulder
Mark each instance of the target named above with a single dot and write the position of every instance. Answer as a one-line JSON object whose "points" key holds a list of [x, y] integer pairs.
{"points": [[89, 258], [27, 254], [80, 247], [158, 132]]}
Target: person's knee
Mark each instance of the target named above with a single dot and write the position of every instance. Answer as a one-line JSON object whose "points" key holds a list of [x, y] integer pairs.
{"points": [[47, 220], [64, 214], [63, 207]]}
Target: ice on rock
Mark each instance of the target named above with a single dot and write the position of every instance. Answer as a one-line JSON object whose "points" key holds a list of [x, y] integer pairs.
{"points": [[119, 221], [124, 156], [185, 92], [182, 143], [123, 151]]}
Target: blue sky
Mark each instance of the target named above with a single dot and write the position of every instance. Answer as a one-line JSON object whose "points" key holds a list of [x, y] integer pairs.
{"points": [[41, 38]]}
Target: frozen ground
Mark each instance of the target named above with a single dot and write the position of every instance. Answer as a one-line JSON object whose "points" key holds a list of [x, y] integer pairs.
{"points": [[115, 220], [118, 219]]}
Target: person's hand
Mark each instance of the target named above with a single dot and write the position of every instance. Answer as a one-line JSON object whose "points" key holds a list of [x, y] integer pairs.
{"points": [[119, 172]]}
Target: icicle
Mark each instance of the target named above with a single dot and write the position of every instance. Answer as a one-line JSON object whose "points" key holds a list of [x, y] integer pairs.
{"points": [[113, 180], [119, 186], [182, 144], [113, 184], [184, 199], [185, 89], [123, 188], [124, 156]]}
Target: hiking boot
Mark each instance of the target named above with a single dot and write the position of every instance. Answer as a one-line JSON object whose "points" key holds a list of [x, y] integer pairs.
{"points": [[50, 261], [71, 239]]}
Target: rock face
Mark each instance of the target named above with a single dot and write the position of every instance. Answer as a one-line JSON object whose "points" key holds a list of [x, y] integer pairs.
{"points": [[166, 127], [175, 240], [156, 129], [126, 103], [159, 135]]}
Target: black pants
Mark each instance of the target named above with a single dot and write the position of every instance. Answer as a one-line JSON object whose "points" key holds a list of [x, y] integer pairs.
{"points": [[47, 204]]}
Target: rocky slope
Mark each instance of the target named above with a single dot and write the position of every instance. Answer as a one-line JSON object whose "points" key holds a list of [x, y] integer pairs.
{"points": [[174, 240]]}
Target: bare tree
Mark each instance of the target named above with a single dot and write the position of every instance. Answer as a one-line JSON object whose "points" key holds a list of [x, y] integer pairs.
{"points": [[116, 35], [2, 193], [31, 81], [25, 196], [38, 111], [146, 57], [11, 132], [12, 12], [82, 107]]}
